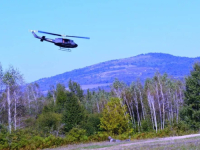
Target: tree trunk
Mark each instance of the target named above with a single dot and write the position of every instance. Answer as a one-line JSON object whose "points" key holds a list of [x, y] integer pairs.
{"points": [[157, 94], [131, 115], [15, 113], [136, 105], [177, 106], [163, 103], [54, 96], [143, 109], [153, 117], [98, 106], [9, 113], [154, 113], [35, 98]]}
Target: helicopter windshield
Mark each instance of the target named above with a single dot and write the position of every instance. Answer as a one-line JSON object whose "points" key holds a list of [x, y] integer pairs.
{"points": [[66, 40]]}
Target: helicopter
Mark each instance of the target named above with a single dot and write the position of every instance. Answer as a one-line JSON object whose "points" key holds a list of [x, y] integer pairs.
{"points": [[63, 43]]}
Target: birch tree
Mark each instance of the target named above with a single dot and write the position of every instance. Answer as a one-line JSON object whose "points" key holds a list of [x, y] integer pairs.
{"points": [[16, 96], [2, 103], [11, 78], [135, 99], [1, 79], [151, 102]]}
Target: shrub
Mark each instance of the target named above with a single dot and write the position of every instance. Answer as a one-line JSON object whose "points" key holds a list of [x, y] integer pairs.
{"points": [[145, 125], [100, 136], [3, 129], [76, 135], [91, 124], [30, 122], [49, 122]]}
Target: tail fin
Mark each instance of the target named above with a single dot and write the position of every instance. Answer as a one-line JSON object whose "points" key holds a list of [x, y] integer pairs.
{"points": [[33, 32]]}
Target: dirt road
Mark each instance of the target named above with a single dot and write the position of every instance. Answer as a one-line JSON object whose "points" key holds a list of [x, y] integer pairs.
{"points": [[177, 142]]}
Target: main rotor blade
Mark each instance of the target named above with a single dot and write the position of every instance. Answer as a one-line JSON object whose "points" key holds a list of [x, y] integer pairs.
{"points": [[76, 37], [64, 35], [50, 33]]}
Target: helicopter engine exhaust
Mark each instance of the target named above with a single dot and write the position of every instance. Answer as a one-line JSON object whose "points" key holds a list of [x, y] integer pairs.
{"points": [[43, 37]]}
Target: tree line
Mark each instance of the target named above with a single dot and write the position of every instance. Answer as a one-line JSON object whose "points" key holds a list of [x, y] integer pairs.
{"points": [[159, 103]]}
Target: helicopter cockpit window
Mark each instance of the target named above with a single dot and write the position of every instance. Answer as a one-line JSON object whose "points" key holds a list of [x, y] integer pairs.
{"points": [[66, 40]]}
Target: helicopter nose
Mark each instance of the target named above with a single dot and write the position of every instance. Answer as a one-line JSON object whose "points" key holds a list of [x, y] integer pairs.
{"points": [[75, 45]]}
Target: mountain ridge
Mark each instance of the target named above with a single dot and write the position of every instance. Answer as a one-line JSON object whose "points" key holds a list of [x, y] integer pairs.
{"points": [[126, 69]]}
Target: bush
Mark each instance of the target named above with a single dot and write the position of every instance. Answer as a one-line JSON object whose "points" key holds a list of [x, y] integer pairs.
{"points": [[25, 139], [100, 136], [91, 125], [76, 135], [3, 129], [30, 122], [48, 122], [145, 125]]}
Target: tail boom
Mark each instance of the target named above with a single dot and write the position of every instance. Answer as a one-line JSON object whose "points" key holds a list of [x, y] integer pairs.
{"points": [[41, 38]]}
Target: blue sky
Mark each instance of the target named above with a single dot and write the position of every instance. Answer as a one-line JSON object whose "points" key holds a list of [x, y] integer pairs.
{"points": [[117, 28]]}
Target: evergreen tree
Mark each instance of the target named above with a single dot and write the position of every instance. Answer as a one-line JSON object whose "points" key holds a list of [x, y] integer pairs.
{"points": [[191, 111], [61, 97], [73, 113], [75, 88]]}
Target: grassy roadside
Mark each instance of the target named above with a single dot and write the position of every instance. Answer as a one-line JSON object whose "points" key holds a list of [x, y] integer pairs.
{"points": [[179, 144], [25, 140], [192, 143]]}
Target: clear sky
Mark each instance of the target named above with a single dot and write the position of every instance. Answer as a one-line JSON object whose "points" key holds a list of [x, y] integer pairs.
{"points": [[117, 28]]}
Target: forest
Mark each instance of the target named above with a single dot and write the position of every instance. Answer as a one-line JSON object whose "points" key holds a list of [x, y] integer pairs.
{"points": [[161, 106]]}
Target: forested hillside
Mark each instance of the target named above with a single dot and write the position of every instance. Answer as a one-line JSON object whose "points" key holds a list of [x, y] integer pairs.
{"points": [[162, 106], [127, 69]]}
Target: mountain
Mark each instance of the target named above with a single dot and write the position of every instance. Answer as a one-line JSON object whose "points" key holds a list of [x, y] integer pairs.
{"points": [[127, 69]]}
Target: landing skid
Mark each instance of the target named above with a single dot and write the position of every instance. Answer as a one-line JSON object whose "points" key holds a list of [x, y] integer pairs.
{"points": [[65, 49]]}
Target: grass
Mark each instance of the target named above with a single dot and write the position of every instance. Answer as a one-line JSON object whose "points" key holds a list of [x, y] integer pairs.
{"points": [[97, 146], [89, 146], [181, 144]]}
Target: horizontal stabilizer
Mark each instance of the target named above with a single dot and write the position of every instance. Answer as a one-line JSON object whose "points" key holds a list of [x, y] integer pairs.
{"points": [[42, 39]]}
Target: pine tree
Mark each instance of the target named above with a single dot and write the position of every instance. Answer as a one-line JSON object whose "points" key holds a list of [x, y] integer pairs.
{"points": [[61, 97], [75, 88], [191, 111], [73, 113]]}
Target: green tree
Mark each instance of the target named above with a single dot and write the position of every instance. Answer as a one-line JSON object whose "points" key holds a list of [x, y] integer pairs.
{"points": [[73, 113], [88, 101], [191, 111], [75, 88], [113, 118], [61, 97]]}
